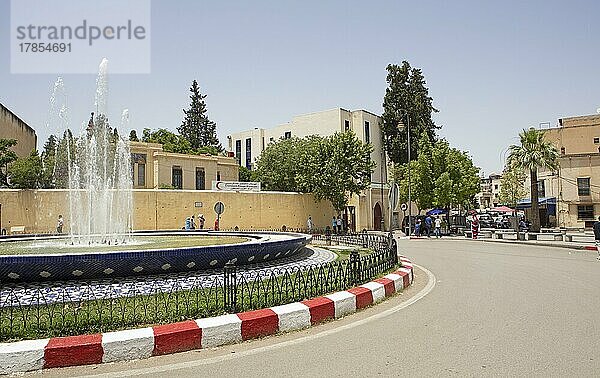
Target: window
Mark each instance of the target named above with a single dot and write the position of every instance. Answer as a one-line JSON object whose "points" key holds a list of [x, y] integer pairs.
{"points": [[583, 186], [346, 125], [585, 212], [238, 151], [218, 175], [287, 135], [177, 177], [596, 140], [563, 151], [200, 179], [248, 154], [367, 133], [141, 178], [541, 188]]}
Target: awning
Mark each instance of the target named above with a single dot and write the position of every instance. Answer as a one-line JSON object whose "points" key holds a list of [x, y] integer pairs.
{"points": [[503, 209], [548, 202]]}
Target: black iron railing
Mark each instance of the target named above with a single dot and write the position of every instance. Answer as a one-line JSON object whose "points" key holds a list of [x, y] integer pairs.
{"points": [[29, 312]]}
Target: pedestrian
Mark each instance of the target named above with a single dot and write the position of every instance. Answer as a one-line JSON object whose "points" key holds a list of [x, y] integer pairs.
{"points": [[418, 228], [333, 225], [60, 224], [217, 224], [438, 227], [201, 221], [474, 226], [309, 225], [193, 222], [338, 221], [597, 236], [428, 224]]}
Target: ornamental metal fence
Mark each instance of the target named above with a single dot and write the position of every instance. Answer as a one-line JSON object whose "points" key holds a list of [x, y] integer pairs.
{"points": [[29, 311]]}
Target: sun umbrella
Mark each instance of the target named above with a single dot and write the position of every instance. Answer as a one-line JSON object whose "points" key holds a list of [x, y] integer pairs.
{"points": [[503, 209]]}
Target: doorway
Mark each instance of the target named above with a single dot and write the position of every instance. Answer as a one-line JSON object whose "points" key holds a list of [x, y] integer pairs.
{"points": [[377, 217]]}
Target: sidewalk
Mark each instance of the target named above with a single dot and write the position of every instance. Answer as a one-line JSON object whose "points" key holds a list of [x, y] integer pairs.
{"points": [[557, 244]]}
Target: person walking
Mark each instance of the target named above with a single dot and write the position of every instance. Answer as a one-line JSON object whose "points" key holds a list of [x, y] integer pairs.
{"points": [[474, 226], [201, 221], [597, 236], [217, 224], [333, 225], [338, 221], [193, 222], [438, 227], [309, 225], [428, 224], [418, 228], [60, 224]]}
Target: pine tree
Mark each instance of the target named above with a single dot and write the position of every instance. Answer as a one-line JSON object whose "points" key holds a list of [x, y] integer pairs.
{"points": [[196, 127], [406, 100]]}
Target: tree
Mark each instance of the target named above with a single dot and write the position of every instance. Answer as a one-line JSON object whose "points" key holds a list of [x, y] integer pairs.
{"points": [[511, 186], [26, 173], [533, 153], [171, 142], [406, 98], [7, 156], [48, 159], [332, 168], [336, 167], [65, 152], [245, 175], [442, 176], [133, 136], [196, 128], [279, 167]]}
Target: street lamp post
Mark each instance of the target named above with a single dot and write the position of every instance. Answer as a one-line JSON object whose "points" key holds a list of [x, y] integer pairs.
{"points": [[401, 127]]}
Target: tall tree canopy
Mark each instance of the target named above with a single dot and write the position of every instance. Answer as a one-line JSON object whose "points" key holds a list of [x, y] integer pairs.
{"points": [[534, 152], [333, 168], [511, 186], [26, 173], [442, 176], [406, 98], [196, 128]]}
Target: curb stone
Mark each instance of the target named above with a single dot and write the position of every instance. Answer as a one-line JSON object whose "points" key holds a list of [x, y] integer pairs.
{"points": [[28, 355]]}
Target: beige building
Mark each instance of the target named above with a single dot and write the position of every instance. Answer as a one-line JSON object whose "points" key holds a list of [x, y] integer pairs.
{"points": [[365, 211], [488, 196], [13, 127], [154, 168], [576, 184]]}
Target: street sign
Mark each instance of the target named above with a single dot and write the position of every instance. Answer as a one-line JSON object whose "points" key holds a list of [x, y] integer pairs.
{"points": [[393, 196], [219, 208], [404, 207]]}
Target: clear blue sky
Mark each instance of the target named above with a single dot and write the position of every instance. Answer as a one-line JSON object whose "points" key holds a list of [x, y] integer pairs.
{"points": [[492, 68]]}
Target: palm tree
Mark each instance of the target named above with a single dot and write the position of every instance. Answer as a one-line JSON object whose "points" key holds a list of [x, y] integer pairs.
{"points": [[533, 153]]}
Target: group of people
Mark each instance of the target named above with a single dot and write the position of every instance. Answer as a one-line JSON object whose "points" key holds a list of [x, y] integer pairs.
{"points": [[427, 225], [190, 222], [338, 225]]}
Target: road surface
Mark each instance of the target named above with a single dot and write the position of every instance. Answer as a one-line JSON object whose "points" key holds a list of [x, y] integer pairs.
{"points": [[485, 309]]}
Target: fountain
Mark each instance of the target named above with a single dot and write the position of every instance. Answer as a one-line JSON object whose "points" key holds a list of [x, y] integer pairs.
{"points": [[97, 171]]}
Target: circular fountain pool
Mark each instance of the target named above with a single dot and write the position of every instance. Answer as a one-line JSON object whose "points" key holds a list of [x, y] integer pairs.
{"points": [[34, 259]]}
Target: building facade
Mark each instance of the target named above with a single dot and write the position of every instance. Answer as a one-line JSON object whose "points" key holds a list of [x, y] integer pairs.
{"points": [[154, 168], [576, 183], [13, 127], [489, 193], [365, 211]]}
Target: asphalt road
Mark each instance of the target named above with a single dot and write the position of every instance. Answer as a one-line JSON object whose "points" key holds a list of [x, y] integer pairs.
{"points": [[488, 310]]}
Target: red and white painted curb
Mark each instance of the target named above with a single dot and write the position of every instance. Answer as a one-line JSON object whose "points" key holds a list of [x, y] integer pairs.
{"points": [[141, 343]]}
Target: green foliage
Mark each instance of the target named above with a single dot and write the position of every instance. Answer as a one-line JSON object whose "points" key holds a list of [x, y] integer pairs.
{"points": [[511, 186], [196, 128], [66, 146], [7, 156], [26, 173], [333, 168], [534, 152], [133, 136], [49, 162], [442, 176], [245, 175], [406, 92], [170, 141]]}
